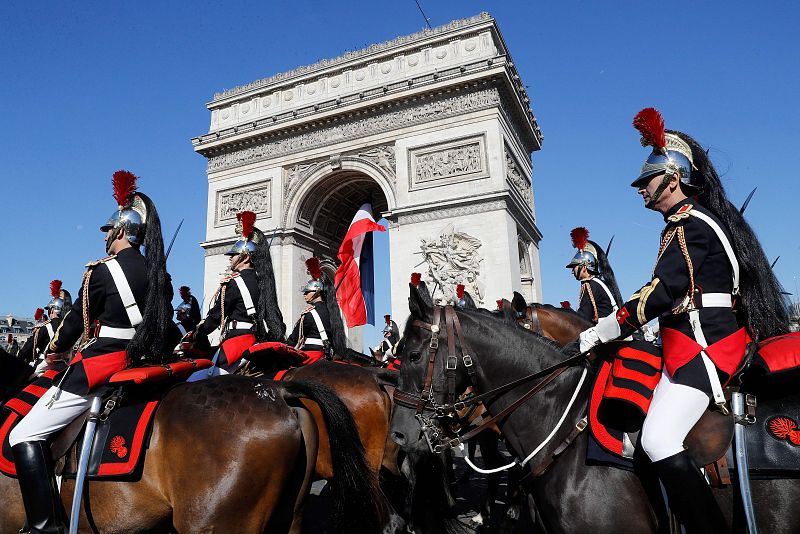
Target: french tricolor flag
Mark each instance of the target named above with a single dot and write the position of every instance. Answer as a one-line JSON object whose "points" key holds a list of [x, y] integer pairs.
{"points": [[355, 282]]}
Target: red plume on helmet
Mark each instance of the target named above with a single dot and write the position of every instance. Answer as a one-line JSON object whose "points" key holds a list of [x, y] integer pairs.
{"points": [[55, 289], [312, 264], [651, 125], [499, 304], [248, 220], [124, 183], [38, 315], [566, 305], [580, 236], [388, 319], [460, 291], [415, 279]]}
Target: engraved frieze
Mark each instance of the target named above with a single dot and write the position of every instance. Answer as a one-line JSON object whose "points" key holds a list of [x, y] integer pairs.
{"points": [[257, 199], [453, 161], [360, 127], [517, 180]]}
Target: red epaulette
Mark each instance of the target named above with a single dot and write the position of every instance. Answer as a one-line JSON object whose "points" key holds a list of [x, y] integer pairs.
{"points": [[682, 213]]}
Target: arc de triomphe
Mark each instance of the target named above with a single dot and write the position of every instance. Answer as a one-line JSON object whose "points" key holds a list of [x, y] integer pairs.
{"points": [[434, 127]]}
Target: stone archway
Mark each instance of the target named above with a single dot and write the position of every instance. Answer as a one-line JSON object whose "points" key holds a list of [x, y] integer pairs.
{"points": [[435, 126]]}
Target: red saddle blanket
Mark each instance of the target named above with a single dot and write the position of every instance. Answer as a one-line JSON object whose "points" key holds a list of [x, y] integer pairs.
{"points": [[779, 354], [121, 439]]}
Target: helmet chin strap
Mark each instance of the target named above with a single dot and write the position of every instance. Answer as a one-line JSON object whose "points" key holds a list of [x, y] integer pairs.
{"points": [[659, 190]]}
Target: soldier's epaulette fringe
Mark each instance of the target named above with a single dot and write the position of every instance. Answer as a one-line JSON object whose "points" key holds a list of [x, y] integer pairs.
{"points": [[682, 213], [103, 260], [229, 278]]}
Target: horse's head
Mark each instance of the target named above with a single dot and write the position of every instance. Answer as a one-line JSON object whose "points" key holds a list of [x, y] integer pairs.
{"points": [[428, 375]]}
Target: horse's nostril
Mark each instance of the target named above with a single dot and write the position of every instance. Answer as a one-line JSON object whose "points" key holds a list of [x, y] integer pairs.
{"points": [[399, 438]]}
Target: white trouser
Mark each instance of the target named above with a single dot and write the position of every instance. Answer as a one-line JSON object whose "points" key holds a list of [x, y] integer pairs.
{"points": [[42, 420], [673, 412], [217, 370]]}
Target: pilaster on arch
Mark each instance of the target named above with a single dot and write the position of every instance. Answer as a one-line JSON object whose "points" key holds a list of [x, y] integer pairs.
{"points": [[300, 180]]}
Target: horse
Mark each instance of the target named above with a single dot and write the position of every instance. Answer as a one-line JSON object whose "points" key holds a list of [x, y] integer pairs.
{"points": [[562, 325], [230, 454], [569, 495]]}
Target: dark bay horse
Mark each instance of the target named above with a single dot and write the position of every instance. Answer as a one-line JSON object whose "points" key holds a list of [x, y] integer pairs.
{"points": [[569, 495], [230, 454]]}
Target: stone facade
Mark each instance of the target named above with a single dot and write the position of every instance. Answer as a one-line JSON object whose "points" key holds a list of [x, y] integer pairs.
{"points": [[434, 127]]}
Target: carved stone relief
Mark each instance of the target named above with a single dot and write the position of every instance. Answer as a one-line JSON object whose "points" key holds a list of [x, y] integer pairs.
{"points": [[359, 127], [453, 259], [517, 180], [255, 198], [453, 161]]}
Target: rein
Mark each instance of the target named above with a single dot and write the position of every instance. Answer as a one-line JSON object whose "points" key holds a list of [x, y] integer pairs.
{"points": [[426, 402]]}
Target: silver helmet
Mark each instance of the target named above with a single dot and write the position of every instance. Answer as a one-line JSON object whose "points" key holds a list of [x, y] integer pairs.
{"points": [[131, 214], [670, 155], [586, 255], [314, 285], [183, 310], [247, 236], [61, 299]]}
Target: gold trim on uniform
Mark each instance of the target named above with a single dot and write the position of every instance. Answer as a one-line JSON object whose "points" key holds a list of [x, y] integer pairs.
{"points": [[644, 294]]}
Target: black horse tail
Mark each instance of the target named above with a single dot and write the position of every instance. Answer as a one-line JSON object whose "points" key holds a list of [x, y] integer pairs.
{"points": [[338, 338], [150, 340], [432, 505], [359, 504], [607, 273], [268, 312], [763, 308]]}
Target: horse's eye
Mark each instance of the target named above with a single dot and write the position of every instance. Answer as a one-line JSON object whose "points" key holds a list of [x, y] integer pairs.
{"points": [[415, 356]]}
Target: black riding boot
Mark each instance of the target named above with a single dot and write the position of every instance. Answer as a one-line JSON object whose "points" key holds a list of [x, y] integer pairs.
{"points": [[37, 484], [690, 496], [643, 468]]}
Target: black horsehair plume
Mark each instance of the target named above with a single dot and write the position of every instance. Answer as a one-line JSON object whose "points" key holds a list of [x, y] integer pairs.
{"points": [[762, 306], [150, 340]]}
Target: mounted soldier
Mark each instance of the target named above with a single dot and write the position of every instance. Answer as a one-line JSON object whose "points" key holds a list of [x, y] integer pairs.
{"points": [[599, 295], [188, 311], [384, 352], [35, 348], [245, 307], [712, 290], [319, 331], [119, 318]]}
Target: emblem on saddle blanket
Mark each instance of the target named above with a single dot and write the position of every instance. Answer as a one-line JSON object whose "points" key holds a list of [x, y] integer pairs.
{"points": [[783, 428]]}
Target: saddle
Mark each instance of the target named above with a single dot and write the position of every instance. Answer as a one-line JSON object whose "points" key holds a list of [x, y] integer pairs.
{"points": [[123, 429]]}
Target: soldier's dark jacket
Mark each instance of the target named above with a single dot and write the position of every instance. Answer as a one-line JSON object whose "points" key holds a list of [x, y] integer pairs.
{"points": [[235, 339], [594, 302], [310, 330], [41, 337], [691, 262], [102, 356]]}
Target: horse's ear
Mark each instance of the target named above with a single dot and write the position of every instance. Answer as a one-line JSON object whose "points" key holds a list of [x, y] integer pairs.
{"points": [[518, 303], [417, 305], [507, 311], [469, 303]]}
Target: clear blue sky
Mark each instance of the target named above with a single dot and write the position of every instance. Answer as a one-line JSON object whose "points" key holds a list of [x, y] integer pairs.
{"points": [[91, 87]]}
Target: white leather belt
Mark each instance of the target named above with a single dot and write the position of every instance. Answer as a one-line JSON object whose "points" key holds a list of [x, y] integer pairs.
{"points": [[313, 341], [239, 325], [116, 333], [717, 300]]}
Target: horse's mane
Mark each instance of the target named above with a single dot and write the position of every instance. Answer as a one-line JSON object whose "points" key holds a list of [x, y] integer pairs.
{"points": [[569, 311], [503, 318]]}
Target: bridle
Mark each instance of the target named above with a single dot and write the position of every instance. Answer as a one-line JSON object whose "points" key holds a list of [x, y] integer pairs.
{"points": [[428, 412]]}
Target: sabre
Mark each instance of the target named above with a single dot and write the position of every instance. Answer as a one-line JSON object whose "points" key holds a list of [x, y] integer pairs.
{"points": [[747, 201], [172, 242]]}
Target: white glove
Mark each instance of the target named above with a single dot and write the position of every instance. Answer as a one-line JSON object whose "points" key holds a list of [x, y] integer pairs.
{"points": [[607, 329], [41, 368]]}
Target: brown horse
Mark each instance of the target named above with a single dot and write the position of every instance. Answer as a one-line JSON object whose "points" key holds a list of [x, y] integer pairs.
{"points": [[230, 454], [370, 404]]}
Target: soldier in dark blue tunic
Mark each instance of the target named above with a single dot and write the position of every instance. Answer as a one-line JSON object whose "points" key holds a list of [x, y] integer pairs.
{"points": [[120, 317]]}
